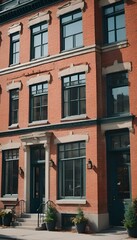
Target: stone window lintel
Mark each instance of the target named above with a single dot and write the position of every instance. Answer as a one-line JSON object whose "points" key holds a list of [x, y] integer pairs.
{"points": [[70, 6], [73, 69], [14, 85]]}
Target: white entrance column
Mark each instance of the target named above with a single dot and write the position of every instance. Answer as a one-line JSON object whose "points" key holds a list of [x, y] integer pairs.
{"points": [[35, 138], [27, 177], [47, 159]]}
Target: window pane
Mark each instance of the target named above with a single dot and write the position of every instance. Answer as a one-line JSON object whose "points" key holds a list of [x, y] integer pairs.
{"points": [[45, 37], [37, 40], [78, 180], [77, 15], [36, 101], [120, 21], [74, 93], [121, 99], [110, 23], [36, 29], [119, 7], [74, 80], [45, 50], [37, 52], [66, 19], [82, 92], [121, 35], [69, 178], [74, 108], [68, 43], [79, 40], [111, 37], [82, 107]]}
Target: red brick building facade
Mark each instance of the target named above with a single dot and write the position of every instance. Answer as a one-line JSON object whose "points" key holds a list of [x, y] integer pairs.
{"points": [[68, 106]]}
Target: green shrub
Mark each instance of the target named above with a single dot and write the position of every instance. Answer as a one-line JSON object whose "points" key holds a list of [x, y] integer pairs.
{"points": [[130, 217]]}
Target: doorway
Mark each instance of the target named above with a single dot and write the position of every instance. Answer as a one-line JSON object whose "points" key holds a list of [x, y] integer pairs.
{"points": [[118, 162], [37, 177]]}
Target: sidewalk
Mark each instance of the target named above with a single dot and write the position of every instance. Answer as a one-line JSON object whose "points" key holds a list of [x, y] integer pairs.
{"points": [[22, 234]]}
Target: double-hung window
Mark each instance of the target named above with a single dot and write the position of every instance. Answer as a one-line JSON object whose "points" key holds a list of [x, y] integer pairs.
{"points": [[71, 30], [10, 172], [74, 95], [39, 102], [14, 48], [39, 40], [118, 96], [71, 170], [14, 106], [114, 23]]}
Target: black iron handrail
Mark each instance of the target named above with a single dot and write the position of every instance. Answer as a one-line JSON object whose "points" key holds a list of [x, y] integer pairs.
{"points": [[41, 211], [19, 208]]}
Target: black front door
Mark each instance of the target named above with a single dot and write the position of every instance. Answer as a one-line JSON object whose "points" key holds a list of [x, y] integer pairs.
{"points": [[37, 177], [118, 182]]}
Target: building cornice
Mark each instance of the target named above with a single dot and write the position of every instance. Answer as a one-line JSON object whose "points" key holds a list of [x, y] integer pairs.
{"points": [[20, 8], [67, 125]]}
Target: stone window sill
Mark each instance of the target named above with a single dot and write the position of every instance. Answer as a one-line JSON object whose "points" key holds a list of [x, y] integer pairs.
{"points": [[71, 201]]}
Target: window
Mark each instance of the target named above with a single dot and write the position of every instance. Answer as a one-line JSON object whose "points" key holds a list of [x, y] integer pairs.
{"points": [[14, 106], [114, 23], [39, 40], [10, 172], [14, 48], [72, 35], [39, 102], [118, 97], [74, 95], [72, 170]]}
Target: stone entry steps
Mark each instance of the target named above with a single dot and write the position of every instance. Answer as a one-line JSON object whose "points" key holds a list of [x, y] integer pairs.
{"points": [[26, 221]]}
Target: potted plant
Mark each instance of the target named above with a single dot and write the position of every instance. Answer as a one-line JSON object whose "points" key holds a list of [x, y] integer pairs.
{"points": [[50, 218], [130, 219], [80, 221], [6, 216]]}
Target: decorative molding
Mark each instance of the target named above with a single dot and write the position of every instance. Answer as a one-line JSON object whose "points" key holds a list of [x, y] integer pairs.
{"points": [[39, 79], [72, 138], [39, 17], [13, 85], [103, 3], [70, 6], [73, 69], [35, 138], [117, 67], [14, 28], [10, 145]]}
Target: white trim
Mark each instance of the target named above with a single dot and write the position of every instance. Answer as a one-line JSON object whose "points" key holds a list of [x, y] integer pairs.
{"points": [[8, 199], [42, 122], [117, 125], [117, 67], [103, 3], [74, 117], [72, 138], [73, 69], [71, 201], [13, 85], [11, 145], [14, 28], [70, 6], [39, 17], [15, 125], [114, 46], [39, 79]]}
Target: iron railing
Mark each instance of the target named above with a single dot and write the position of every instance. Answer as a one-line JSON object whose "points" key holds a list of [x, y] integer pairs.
{"points": [[19, 208], [41, 211]]}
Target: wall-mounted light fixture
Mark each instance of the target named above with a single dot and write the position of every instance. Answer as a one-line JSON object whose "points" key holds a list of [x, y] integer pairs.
{"points": [[89, 164], [51, 163], [21, 172]]}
